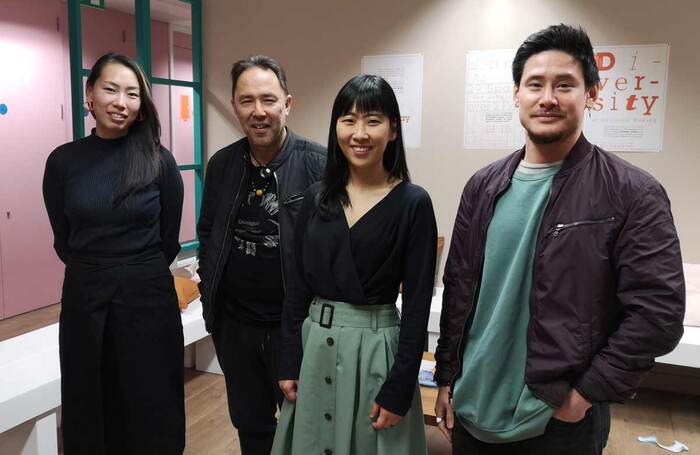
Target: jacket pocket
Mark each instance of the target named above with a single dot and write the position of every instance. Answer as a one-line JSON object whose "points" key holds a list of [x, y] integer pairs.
{"points": [[293, 199], [574, 224]]}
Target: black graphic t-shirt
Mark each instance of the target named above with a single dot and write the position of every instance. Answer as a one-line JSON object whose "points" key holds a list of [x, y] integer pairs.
{"points": [[251, 286]]}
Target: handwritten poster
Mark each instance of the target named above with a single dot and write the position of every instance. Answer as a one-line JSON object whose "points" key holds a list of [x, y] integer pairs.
{"points": [[405, 75], [627, 116]]}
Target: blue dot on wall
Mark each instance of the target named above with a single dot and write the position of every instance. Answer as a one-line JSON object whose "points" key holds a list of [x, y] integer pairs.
{"points": [[3, 108]]}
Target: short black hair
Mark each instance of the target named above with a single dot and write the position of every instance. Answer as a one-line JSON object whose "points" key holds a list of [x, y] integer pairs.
{"points": [[566, 38], [260, 61]]}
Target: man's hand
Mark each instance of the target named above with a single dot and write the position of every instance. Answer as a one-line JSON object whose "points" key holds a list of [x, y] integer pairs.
{"points": [[382, 418], [289, 388], [574, 408], [444, 412]]}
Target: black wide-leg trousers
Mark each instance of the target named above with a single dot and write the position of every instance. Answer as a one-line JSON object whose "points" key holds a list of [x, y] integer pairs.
{"points": [[121, 351]]}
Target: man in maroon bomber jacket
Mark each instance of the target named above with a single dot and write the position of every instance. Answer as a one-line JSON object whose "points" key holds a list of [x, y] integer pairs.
{"points": [[607, 294]]}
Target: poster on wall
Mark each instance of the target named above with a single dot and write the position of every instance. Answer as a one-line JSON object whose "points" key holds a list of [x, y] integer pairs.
{"points": [[405, 75], [490, 118], [627, 116]]}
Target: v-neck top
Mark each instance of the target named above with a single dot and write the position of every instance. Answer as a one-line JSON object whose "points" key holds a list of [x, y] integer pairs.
{"points": [[393, 243]]}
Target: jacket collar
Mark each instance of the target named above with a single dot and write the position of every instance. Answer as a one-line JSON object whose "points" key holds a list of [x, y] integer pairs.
{"points": [[581, 149], [287, 147]]}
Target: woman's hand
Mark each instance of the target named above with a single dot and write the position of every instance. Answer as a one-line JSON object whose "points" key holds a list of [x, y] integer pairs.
{"points": [[382, 418], [289, 388], [444, 413]]}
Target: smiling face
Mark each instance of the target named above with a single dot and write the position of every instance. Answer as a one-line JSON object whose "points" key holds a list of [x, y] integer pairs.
{"points": [[363, 138], [115, 99], [261, 106], [552, 97]]}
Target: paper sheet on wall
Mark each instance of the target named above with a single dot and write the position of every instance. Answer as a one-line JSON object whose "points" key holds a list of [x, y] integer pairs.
{"points": [[490, 119], [405, 75], [627, 116]]}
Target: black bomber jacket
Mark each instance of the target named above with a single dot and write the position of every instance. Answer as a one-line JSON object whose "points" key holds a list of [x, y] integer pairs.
{"points": [[299, 163]]}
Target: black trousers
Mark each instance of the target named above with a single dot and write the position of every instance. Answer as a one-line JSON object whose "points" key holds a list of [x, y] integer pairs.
{"points": [[121, 351], [249, 358], [586, 437]]}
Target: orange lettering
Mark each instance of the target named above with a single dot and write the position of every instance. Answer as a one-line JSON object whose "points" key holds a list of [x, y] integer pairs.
{"points": [[605, 60]]}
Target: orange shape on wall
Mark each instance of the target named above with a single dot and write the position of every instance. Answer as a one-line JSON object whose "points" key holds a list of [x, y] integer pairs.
{"points": [[185, 107]]}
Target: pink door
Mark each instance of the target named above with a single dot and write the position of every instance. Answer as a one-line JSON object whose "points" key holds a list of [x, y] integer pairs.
{"points": [[32, 123]]}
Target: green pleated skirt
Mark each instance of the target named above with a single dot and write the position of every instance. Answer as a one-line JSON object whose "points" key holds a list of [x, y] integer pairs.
{"points": [[348, 352]]}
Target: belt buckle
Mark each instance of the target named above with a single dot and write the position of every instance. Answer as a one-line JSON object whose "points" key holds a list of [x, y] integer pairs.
{"points": [[329, 324]]}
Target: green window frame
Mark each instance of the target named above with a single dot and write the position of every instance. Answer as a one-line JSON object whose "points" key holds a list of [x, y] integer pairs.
{"points": [[143, 56]]}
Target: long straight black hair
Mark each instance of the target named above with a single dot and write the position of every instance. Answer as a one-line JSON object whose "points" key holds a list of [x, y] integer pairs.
{"points": [[363, 93], [143, 162]]}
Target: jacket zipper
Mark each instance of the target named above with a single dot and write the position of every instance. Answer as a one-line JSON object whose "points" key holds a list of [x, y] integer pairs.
{"points": [[221, 251], [561, 226], [279, 232], [477, 283]]}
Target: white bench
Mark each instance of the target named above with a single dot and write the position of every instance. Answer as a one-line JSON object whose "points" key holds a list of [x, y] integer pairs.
{"points": [[30, 386]]}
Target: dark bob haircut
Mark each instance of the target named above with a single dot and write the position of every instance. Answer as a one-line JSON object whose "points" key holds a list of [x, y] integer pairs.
{"points": [[363, 93], [143, 158], [259, 61], [574, 41]]}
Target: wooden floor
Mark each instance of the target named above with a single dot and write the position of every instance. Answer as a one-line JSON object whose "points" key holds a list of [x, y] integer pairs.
{"points": [[209, 431], [669, 416], [23, 323]]}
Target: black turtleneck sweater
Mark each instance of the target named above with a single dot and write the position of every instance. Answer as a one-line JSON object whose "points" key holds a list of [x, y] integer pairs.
{"points": [[81, 180]]}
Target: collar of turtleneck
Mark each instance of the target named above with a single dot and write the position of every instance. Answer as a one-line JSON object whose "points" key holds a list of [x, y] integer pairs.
{"points": [[102, 142]]}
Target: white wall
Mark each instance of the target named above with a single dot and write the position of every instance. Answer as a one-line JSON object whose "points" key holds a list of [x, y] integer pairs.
{"points": [[320, 43]]}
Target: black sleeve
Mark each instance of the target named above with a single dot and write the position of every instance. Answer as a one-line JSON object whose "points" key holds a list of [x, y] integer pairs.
{"points": [[398, 390], [53, 199], [297, 297], [207, 214], [171, 196]]}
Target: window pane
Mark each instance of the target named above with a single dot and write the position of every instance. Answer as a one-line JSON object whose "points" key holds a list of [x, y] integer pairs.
{"points": [[112, 29], [176, 110], [171, 39], [187, 227]]}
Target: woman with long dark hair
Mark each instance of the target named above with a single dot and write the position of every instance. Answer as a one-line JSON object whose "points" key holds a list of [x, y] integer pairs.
{"points": [[350, 362], [114, 200]]}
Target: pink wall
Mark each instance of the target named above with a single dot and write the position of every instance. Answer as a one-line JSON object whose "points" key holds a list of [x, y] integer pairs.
{"points": [[32, 87]]}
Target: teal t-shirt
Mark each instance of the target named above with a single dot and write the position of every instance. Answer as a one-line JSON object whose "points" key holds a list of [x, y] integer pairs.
{"points": [[491, 399]]}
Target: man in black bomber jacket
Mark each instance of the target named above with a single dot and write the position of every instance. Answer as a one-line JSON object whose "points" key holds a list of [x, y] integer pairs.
{"points": [[252, 194]]}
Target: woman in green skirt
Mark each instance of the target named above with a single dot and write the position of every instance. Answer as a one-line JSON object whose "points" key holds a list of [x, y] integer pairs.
{"points": [[350, 361]]}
